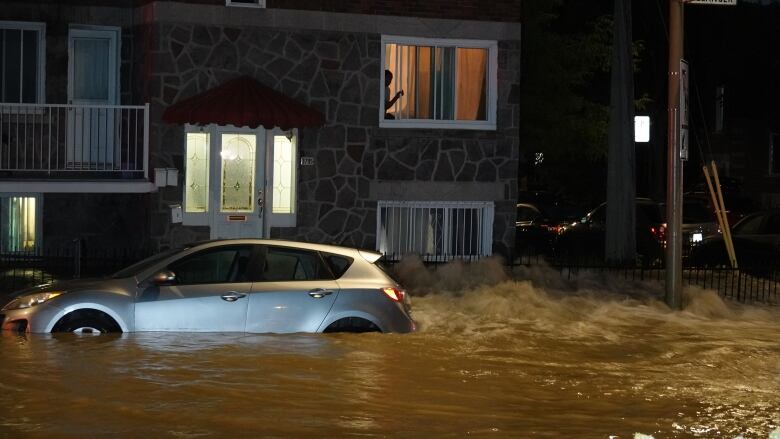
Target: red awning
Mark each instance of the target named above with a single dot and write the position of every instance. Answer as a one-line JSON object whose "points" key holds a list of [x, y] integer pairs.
{"points": [[243, 102]]}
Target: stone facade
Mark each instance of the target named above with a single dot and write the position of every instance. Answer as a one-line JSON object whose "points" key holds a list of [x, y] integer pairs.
{"points": [[338, 74], [173, 50]]}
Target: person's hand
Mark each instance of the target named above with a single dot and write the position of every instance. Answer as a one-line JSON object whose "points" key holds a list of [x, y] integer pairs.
{"points": [[399, 94]]}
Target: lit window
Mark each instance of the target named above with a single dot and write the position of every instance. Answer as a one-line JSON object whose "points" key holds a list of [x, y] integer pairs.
{"points": [[197, 169], [21, 57], [284, 175], [435, 230], [439, 83], [19, 224]]}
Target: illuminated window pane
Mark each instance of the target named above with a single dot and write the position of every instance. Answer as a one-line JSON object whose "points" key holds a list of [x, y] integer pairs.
{"points": [[284, 176], [439, 83], [197, 170], [19, 224], [238, 172]]}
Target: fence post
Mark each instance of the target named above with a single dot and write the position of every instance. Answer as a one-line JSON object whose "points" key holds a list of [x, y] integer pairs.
{"points": [[77, 244]]}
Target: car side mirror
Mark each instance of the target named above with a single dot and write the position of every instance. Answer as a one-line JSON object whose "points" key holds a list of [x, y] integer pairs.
{"points": [[162, 278]]}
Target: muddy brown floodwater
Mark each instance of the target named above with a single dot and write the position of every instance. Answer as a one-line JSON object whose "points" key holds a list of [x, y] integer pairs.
{"points": [[536, 356]]}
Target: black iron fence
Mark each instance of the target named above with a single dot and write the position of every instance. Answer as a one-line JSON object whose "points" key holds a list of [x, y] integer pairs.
{"points": [[759, 282], [20, 270]]}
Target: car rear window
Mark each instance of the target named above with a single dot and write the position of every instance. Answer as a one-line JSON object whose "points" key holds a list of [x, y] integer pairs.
{"points": [[337, 264], [292, 264]]}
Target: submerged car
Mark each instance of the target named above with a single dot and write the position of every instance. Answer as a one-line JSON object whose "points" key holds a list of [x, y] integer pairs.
{"points": [[246, 285]]}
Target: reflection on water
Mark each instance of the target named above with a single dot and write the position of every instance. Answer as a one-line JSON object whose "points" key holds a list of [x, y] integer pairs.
{"points": [[534, 357]]}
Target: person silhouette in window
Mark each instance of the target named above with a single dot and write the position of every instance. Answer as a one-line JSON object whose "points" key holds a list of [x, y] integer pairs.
{"points": [[390, 102]]}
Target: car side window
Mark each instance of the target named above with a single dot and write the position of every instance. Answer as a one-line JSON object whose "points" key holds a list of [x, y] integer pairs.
{"points": [[221, 265], [290, 264]]}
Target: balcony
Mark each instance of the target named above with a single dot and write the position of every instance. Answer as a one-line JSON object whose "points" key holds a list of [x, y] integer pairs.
{"points": [[74, 148]]}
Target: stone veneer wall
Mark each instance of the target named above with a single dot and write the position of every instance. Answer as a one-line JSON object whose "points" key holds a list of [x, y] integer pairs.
{"points": [[337, 73]]}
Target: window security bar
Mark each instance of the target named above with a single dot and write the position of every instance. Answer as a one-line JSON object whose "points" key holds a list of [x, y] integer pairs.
{"points": [[435, 230]]}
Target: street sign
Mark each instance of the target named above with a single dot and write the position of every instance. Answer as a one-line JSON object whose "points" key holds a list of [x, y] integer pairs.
{"points": [[712, 2], [684, 109]]}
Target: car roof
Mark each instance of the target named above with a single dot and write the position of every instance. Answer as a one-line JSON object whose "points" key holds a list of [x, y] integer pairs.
{"points": [[341, 250]]}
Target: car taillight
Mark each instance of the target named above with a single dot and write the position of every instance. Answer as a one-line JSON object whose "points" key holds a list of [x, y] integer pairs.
{"points": [[659, 232], [394, 293]]}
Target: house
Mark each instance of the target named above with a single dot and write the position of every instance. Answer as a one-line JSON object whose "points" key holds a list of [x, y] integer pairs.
{"points": [[157, 123]]}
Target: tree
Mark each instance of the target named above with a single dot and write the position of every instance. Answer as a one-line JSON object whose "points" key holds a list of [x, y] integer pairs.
{"points": [[620, 245], [564, 116]]}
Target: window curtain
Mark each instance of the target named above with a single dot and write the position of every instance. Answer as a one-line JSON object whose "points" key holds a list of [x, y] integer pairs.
{"points": [[472, 69]]}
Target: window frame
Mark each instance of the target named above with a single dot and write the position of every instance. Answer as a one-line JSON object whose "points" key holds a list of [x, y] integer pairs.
{"points": [[40, 28], [259, 4], [491, 87], [38, 220]]}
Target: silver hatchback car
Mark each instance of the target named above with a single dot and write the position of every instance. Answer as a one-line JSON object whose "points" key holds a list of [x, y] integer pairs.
{"points": [[246, 285]]}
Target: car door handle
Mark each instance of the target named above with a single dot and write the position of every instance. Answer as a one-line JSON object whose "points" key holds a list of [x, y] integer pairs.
{"points": [[319, 293], [232, 296]]}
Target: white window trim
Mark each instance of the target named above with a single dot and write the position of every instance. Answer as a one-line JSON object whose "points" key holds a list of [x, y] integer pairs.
{"points": [[41, 28], [256, 4], [280, 219], [492, 85]]}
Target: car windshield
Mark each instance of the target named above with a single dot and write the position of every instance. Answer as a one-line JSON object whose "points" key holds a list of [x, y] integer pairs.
{"points": [[144, 264]]}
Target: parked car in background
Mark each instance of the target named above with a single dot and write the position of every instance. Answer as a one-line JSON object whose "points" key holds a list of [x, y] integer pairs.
{"points": [[584, 240], [698, 221], [756, 244], [245, 285], [535, 230]]}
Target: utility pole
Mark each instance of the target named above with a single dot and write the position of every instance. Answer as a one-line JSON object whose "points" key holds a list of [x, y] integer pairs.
{"points": [[674, 178]]}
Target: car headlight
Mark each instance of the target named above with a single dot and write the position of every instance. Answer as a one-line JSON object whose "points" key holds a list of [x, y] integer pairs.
{"points": [[30, 300]]}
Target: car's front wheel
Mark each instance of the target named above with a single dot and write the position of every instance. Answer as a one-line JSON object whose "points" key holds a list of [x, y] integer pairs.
{"points": [[87, 322]]}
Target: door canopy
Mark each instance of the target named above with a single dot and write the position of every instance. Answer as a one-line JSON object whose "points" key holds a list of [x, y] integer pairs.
{"points": [[243, 102]]}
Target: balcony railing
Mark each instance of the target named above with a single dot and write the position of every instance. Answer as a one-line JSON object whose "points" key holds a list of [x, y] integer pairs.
{"points": [[74, 141]]}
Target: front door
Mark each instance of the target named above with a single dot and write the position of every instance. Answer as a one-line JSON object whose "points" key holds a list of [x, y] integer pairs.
{"points": [[239, 181], [93, 78]]}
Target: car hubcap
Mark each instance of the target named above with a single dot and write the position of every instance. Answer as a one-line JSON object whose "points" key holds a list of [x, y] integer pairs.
{"points": [[87, 330]]}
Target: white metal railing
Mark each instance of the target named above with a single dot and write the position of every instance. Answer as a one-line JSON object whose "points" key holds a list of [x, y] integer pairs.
{"points": [[435, 230], [60, 140]]}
